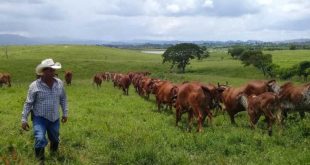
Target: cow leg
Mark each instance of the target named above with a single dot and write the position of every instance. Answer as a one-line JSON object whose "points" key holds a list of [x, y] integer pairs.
{"points": [[232, 118], [177, 115], [206, 113], [190, 120], [251, 114], [199, 116], [148, 95], [209, 113], [270, 121], [159, 105]]}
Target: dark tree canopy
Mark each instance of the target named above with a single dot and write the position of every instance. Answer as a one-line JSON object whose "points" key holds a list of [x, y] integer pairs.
{"points": [[180, 54], [259, 60], [303, 69], [236, 51]]}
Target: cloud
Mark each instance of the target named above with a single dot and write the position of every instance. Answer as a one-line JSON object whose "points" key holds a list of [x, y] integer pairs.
{"points": [[34, 9], [157, 19], [177, 8]]}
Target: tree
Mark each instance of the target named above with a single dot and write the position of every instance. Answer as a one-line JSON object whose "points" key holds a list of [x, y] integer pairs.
{"points": [[272, 70], [286, 73], [236, 51], [259, 60], [180, 54], [292, 47], [302, 69]]}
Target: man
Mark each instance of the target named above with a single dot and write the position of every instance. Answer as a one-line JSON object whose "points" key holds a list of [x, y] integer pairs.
{"points": [[44, 97]]}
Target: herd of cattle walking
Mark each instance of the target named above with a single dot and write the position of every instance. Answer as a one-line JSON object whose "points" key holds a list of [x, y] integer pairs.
{"points": [[258, 97]]}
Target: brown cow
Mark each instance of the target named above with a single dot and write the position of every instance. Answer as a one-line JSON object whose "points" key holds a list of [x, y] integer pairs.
{"points": [[145, 85], [97, 79], [116, 80], [295, 98], [194, 99], [264, 104], [231, 97], [136, 81], [165, 93], [124, 82], [68, 77], [5, 78]]}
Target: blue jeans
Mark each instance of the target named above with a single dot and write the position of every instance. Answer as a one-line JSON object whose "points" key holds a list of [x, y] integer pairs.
{"points": [[40, 127]]}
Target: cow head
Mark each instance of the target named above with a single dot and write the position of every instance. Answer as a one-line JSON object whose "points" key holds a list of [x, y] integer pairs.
{"points": [[220, 89], [273, 87]]}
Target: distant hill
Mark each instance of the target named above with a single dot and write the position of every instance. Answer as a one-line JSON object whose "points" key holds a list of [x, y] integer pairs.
{"points": [[12, 39]]}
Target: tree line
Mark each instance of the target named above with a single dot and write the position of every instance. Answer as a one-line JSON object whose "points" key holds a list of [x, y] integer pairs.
{"points": [[263, 62], [179, 56]]}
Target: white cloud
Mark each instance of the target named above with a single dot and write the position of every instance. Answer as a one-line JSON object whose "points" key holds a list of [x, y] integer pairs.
{"points": [[208, 3], [157, 19]]}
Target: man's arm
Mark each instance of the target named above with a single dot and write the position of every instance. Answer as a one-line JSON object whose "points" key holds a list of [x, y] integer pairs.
{"points": [[28, 103], [63, 103]]}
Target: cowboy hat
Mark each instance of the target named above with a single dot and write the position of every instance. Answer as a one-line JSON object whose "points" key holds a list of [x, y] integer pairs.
{"points": [[47, 63]]}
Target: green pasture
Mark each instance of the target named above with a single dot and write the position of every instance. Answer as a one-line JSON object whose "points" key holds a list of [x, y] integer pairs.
{"points": [[106, 127]]}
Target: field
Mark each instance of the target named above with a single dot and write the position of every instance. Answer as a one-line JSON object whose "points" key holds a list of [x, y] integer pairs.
{"points": [[106, 127]]}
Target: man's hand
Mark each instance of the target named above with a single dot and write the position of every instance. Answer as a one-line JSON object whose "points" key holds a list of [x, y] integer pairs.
{"points": [[64, 119], [25, 126]]}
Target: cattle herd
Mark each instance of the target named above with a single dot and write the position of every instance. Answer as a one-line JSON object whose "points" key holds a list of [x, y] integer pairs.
{"points": [[258, 97]]}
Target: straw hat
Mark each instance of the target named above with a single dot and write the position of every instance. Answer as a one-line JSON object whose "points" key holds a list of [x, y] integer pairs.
{"points": [[47, 63]]}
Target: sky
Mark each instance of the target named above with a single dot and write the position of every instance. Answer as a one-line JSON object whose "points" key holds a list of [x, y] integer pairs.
{"points": [[124, 20]]}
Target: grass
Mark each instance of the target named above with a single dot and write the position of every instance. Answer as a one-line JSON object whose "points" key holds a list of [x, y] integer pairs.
{"points": [[106, 127]]}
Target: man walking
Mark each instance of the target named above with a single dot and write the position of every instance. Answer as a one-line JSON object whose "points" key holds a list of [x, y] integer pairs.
{"points": [[44, 97]]}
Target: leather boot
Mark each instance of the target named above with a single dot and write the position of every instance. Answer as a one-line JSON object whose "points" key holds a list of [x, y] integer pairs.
{"points": [[39, 153], [54, 147]]}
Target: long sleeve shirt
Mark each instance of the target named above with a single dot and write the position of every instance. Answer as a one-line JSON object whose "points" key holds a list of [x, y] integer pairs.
{"points": [[44, 101]]}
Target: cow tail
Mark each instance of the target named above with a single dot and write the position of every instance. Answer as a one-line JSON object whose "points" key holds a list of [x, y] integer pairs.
{"points": [[244, 101], [174, 93]]}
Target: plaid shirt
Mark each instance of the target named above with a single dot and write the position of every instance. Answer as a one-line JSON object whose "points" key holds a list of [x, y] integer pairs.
{"points": [[44, 101]]}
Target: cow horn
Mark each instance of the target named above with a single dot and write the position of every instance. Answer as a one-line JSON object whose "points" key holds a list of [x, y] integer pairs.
{"points": [[226, 82]]}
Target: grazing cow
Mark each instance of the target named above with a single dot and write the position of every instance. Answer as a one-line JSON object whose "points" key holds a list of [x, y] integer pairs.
{"points": [[145, 85], [106, 76], [216, 92], [5, 78], [234, 103], [165, 93], [194, 99], [264, 104], [295, 98], [116, 80], [68, 77], [97, 79], [124, 82], [136, 81]]}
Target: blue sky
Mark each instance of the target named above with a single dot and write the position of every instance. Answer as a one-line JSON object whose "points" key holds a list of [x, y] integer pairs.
{"points": [[119, 20]]}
